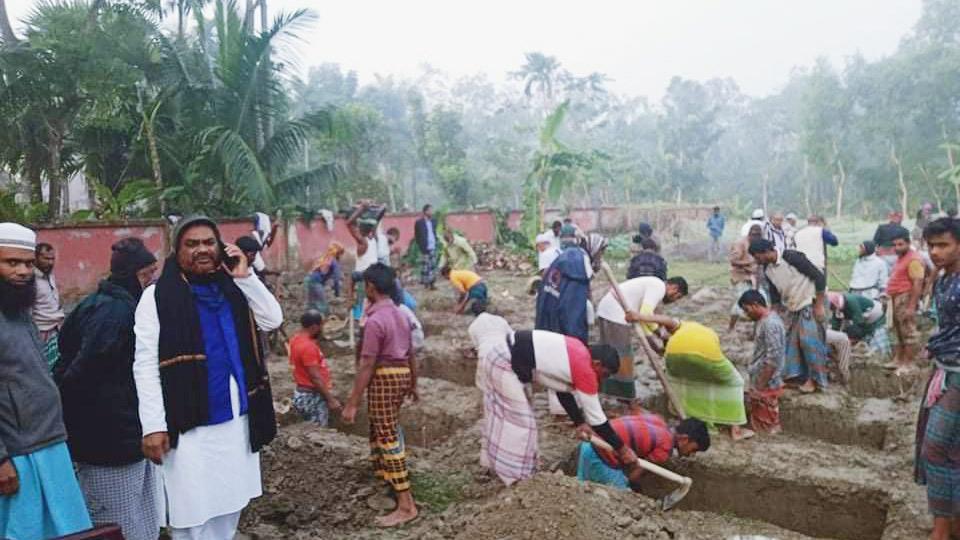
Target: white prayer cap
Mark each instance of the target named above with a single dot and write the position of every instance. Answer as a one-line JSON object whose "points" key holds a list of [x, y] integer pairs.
{"points": [[757, 214], [14, 235], [542, 239], [791, 215]]}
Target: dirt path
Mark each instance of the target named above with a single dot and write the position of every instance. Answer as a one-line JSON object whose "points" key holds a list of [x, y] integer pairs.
{"points": [[841, 469]]}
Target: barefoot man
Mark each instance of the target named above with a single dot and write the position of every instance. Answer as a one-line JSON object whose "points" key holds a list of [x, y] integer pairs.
{"points": [[387, 374]]}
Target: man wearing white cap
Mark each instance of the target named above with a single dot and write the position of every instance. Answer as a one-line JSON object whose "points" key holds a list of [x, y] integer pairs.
{"points": [[790, 229], [39, 494], [547, 252], [757, 218]]}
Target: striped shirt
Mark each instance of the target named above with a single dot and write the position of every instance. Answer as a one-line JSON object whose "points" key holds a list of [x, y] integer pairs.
{"points": [[646, 434]]}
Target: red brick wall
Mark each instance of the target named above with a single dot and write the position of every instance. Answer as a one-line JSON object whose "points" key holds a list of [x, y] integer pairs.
{"points": [[83, 250]]}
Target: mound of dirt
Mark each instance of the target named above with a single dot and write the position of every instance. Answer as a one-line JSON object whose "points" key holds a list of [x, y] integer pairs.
{"points": [[557, 507]]}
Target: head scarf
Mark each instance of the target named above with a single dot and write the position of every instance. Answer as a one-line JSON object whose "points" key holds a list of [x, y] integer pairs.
{"points": [[868, 248], [596, 243], [836, 300]]}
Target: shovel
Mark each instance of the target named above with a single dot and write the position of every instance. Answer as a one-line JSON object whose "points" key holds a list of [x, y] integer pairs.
{"points": [[671, 499], [650, 354]]}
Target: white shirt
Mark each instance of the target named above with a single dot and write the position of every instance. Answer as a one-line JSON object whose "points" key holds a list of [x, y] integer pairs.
{"points": [[212, 472], [554, 239], [47, 309], [371, 256], [869, 277], [546, 257], [641, 294], [809, 241]]}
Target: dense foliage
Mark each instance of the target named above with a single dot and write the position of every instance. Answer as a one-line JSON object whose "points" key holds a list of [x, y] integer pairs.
{"points": [[204, 111]]}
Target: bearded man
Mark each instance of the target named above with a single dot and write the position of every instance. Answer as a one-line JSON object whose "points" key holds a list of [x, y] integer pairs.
{"points": [[39, 494], [205, 403]]}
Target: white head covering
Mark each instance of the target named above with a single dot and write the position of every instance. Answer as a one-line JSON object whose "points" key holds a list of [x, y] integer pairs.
{"points": [[543, 238], [489, 331], [791, 215], [14, 235], [757, 214]]}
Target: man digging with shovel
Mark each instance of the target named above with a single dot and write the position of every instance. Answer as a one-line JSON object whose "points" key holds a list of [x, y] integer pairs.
{"points": [[650, 438]]}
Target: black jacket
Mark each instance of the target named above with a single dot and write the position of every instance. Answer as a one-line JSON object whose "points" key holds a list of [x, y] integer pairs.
{"points": [[887, 232], [95, 375], [420, 233]]}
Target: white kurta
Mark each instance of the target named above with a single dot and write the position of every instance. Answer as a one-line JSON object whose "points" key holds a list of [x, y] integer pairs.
{"points": [[212, 472]]}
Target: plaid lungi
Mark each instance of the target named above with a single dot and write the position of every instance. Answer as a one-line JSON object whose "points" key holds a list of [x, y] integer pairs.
{"points": [[938, 450], [508, 445], [385, 395], [51, 347], [128, 495], [312, 406], [428, 267], [806, 354]]}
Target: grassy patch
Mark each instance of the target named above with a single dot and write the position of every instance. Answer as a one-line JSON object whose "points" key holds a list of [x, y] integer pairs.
{"points": [[439, 490], [704, 274]]}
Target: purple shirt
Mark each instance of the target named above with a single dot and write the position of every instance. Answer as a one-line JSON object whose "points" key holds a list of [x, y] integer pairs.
{"points": [[386, 335]]}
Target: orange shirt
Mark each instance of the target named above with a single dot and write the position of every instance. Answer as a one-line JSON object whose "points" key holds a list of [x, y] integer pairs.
{"points": [[304, 352]]}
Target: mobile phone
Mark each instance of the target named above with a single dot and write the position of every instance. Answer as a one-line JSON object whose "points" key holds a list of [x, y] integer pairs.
{"points": [[231, 262]]}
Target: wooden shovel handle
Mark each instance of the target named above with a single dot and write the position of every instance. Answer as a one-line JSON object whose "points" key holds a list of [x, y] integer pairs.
{"points": [[646, 465]]}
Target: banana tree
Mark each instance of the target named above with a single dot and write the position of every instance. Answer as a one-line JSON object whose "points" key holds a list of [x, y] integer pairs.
{"points": [[555, 168]]}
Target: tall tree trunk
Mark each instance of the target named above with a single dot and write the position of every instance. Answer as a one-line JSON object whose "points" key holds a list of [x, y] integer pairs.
{"points": [[806, 184], [34, 170], [956, 185], [154, 156], [54, 174], [840, 179], [764, 190], [925, 174], [6, 31], [267, 73], [901, 181], [181, 9]]}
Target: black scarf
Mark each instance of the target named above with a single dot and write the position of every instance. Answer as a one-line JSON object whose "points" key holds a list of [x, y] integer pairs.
{"points": [[183, 368]]}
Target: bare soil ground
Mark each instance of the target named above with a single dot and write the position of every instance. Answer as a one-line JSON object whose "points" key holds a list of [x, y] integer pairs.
{"points": [[841, 469]]}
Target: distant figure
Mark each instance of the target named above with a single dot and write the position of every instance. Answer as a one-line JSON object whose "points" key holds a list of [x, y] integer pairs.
{"points": [[313, 396], [48, 312], [565, 290], [647, 261], [425, 234], [393, 242], [885, 235], [813, 240], [546, 252], [468, 285], [263, 232], [870, 273], [758, 217], [715, 225], [645, 231], [790, 227], [774, 232], [457, 253], [553, 233], [362, 226], [744, 272], [905, 287], [924, 217], [326, 270]]}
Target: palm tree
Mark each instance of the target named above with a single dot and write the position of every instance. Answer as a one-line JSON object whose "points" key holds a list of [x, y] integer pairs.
{"points": [[6, 30], [541, 72]]}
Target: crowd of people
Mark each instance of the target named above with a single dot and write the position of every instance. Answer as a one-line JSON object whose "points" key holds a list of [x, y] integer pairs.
{"points": [[148, 404]]}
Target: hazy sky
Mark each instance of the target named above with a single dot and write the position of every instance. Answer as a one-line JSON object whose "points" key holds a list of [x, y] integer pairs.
{"points": [[640, 44]]}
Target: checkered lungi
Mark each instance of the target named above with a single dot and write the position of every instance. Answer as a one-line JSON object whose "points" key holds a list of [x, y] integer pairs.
{"points": [[806, 354], [938, 449], [129, 495], [428, 267], [312, 406], [508, 444], [385, 395]]}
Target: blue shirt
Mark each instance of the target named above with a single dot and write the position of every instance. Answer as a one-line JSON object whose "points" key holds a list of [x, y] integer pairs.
{"points": [[716, 224], [562, 302], [431, 238], [222, 348]]}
